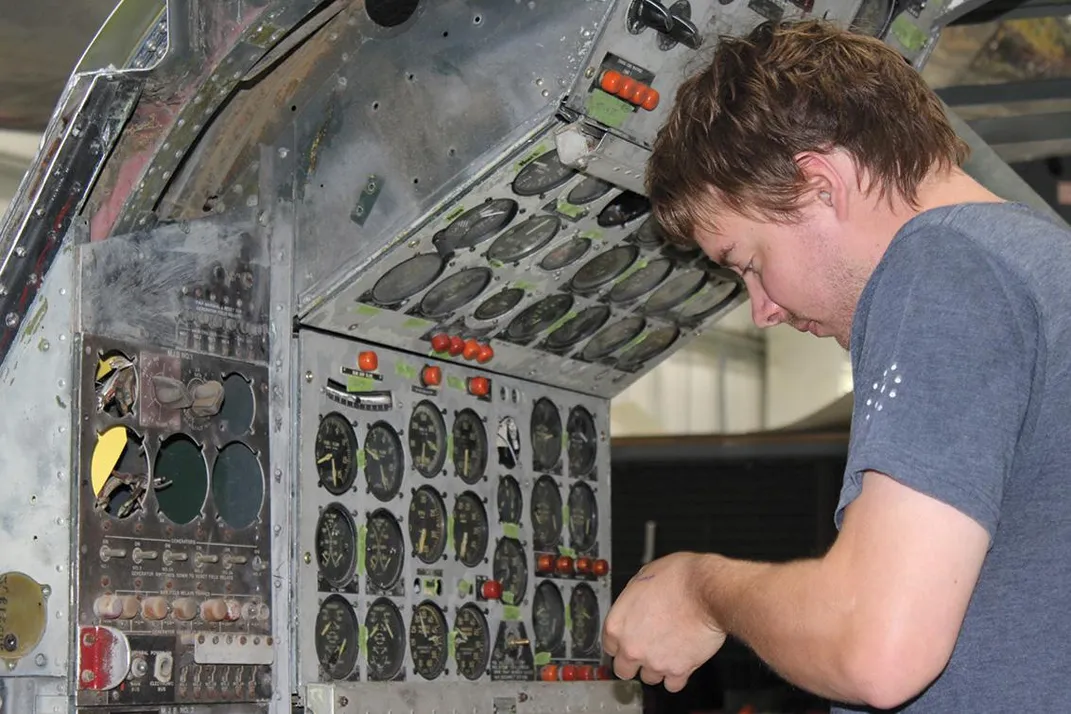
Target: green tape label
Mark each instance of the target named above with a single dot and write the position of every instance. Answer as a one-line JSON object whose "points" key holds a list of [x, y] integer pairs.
{"points": [[511, 530], [455, 382], [363, 309], [455, 213], [542, 658], [360, 459], [507, 597], [405, 370], [450, 533], [450, 446], [415, 323], [527, 287], [362, 635], [591, 235], [357, 383], [568, 618], [567, 209], [510, 612], [451, 645], [532, 155], [638, 265], [608, 109], [565, 513], [565, 440], [464, 587], [908, 33], [362, 539], [564, 319], [567, 552]]}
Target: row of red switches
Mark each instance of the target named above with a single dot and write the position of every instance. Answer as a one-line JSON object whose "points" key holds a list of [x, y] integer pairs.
{"points": [[564, 565], [573, 673], [629, 89], [469, 349]]}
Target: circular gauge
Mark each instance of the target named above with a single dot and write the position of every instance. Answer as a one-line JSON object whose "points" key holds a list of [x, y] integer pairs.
{"points": [[510, 567], [455, 291], [428, 640], [336, 453], [427, 439], [642, 281], [544, 173], [336, 545], [584, 611], [649, 233], [626, 206], [337, 637], [510, 500], [654, 343], [407, 278], [678, 289], [470, 446], [499, 304], [472, 641], [386, 640], [583, 517], [546, 435], [180, 482], [383, 466], [586, 322], [524, 239], [548, 617], [566, 254], [384, 550], [613, 337], [583, 441], [712, 296], [588, 190], [603, 268], [427, 524], [873, 17], [546, 514], [476, 225], [471, 532], [538, 317]]}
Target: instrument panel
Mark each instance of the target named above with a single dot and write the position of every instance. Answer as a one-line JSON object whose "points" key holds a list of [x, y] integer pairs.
{"points": [[453, 523]]}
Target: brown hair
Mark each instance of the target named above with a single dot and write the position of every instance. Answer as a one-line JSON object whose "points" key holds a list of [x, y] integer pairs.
{"points": [[736, 127]]}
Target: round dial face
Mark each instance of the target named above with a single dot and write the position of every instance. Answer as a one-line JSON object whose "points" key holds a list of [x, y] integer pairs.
{"points": [[613, 337], [654, 343], [510, 567], [649, 233], [476, 225], [336, 453], [510, 500], [546, 435], [544, 173], [583, 517], [586, 322], [407, 278], [383, 465], [603, 268], [454, 292], [384, 550], [524, 239], [584, 609], [539, 317], [499, 304], [471, 532], [642, 281], [625, 207], [675, 291], [472, 641], [588, 190], [427, 524], [712, 297], [546, 514], [337, 637], [583, 441], [470, 446], [386, 640], [427, 439], [428, 640], [566, 254], [336, 545], [548, 617]]}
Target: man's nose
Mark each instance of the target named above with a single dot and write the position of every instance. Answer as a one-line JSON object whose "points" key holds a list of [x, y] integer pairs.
{"points": [[764, 311]]}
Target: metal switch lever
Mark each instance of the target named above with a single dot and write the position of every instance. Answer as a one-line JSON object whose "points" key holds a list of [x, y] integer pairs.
{"points": [[676, 27]]}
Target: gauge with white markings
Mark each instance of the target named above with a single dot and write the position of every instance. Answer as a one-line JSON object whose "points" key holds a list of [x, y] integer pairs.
{"points": [[583, 325], [454, 292], [470, 446], [524, 239], [613, 337], [583, 441], [510, 567], [566, 254], [546, 429], [675, 291], [383, 461], [407, 278], [546, 514], [336, 453], [623, 208], [711, 297], [588, 190], [510, 500], [471, 531], [543, 173], [428, 640], [499, 304], [654, 343], [336, 545], [584, 612], [337, 637], [548, 617], [427, 524], [538, 317], [427, 439], [386, 640], [477, 224], [583, 517], [384, 550], [642, 281], [604, 267], [472, 642]]}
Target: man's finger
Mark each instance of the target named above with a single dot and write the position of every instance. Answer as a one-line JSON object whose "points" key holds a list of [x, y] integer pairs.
{"points": [[675, 684], [650, 676], [625, 668]]}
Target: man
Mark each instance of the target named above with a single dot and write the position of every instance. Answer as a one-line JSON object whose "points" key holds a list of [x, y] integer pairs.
{"points": [[817, 165]]}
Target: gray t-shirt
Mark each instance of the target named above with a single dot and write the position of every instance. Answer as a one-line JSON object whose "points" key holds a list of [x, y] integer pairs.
{"points": [[961, 357]]}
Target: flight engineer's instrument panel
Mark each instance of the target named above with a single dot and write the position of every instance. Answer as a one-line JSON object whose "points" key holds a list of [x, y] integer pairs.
{"points": [[312, 315]]}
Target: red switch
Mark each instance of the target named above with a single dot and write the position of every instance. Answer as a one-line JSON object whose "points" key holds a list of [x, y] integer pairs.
{"points": [[457, 345], [368, 361], [485, 354], [479, 386], [604, 672], [431, 376], [564, 566], [569, 673], [472, 349], [545, 563], [491, 590], [586, 673], [583, 565], [549, 673], [440, 342], [650, 99], [601, 567], [610, 81]]}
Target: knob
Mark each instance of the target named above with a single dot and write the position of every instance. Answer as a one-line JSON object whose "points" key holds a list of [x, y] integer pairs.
{"points": [[457, 346], [485, 354], [440, 342], [549, 673], [184, 608], [673, 23], [601, 567], [154, 608], [564, 565], [583, 565], [479, 386], [108, 607], [491, 590], [431, 376], [368, 361], [219, 610], [569, 673], [586, 673], [471, 350], [545, 563]]}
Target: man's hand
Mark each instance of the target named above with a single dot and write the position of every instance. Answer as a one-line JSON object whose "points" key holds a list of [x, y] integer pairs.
{"points": [[659, 625]]}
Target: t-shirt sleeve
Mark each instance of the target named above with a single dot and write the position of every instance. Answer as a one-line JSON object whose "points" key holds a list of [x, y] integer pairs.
{"points": [[942, 375]]}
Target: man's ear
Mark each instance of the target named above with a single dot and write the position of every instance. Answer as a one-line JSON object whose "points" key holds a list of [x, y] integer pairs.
{"points": [[826, 182]]}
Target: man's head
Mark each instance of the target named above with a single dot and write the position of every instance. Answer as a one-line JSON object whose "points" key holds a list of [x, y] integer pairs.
{"points": [[793, 157]]}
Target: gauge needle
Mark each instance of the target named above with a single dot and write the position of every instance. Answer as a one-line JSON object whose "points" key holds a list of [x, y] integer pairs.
{"points": [[327, 628], [342, 648], [323, 459], [466, 460], [423, 627], [464, 542], [334, 473], [423, 537]]}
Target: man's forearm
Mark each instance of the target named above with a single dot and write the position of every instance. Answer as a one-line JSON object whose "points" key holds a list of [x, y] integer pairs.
{"points": [[795, 616]]}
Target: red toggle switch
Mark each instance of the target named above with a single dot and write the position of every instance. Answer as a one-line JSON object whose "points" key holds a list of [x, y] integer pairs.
{"points": [[586, 673], [601, 567], [485, 354], [368, 361], [545, 563], [440, 342], [549, 673], [472, 349], [583, 565], [564, 565], [604, 673], [610, 81], [479, 386], [491, 590], [457, 345], [431, 376], [569, 673]]}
